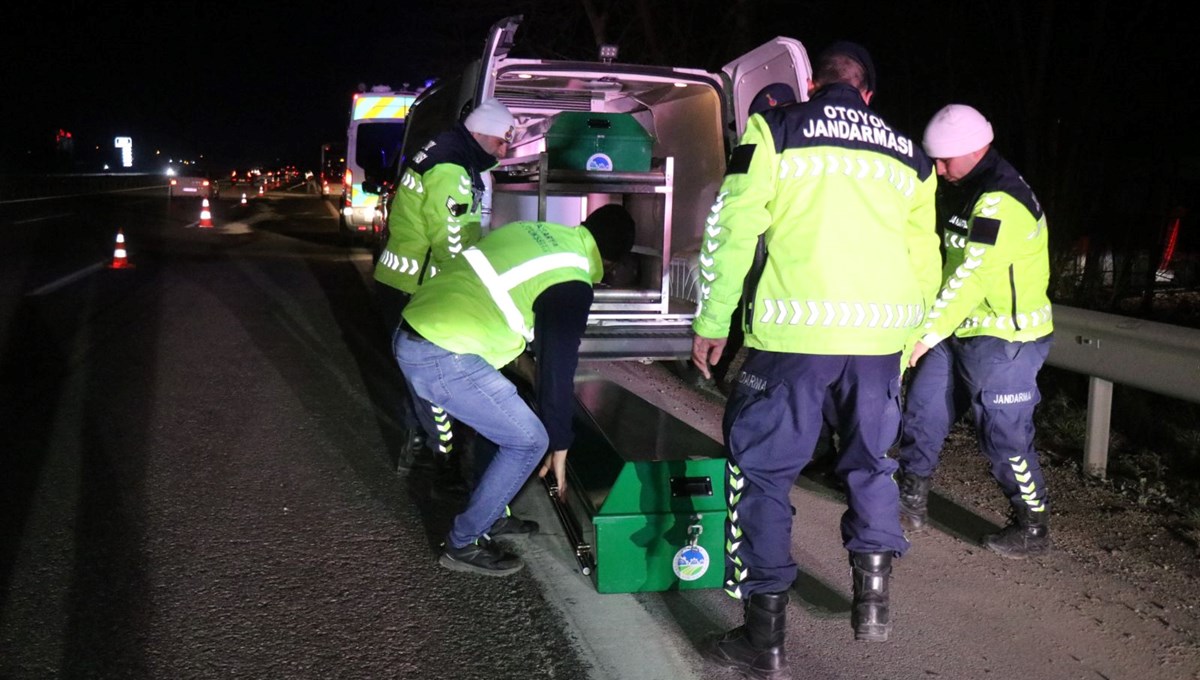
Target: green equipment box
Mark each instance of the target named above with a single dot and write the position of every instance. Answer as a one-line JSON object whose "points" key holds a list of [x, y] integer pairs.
{"points": [[646, 495], [578, 140]]}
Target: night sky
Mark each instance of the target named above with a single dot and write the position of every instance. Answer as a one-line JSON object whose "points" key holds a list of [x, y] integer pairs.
{"points": [[1087, 98]]}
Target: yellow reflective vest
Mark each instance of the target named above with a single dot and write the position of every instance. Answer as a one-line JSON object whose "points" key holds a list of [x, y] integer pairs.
{"points": [[482, 301]]}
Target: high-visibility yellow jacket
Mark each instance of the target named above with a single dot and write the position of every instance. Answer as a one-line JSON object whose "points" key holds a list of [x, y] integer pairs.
{"points": [[844, 206], [997, 258], [435, 213]]}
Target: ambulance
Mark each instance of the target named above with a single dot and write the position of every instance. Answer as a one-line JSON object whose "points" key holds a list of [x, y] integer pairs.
{"points": [[373, 146]]}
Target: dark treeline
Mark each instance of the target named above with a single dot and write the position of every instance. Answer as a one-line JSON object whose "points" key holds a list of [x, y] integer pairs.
{"points": [[1090, 100]]}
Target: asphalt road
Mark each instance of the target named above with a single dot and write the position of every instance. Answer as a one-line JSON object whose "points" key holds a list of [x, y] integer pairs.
{"points": [[200, 480], [199, 483]]}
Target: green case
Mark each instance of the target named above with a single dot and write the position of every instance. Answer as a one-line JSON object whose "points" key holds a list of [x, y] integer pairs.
{"points": [[645, 484], [598, 141]]}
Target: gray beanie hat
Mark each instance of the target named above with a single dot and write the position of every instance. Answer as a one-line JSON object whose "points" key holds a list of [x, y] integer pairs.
{"points": [[956, 130], [491, 118]]}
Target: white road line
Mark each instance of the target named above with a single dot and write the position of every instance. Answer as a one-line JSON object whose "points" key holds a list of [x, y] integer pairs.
{"points": [[44, 218], [91, 193], [66, 280]]}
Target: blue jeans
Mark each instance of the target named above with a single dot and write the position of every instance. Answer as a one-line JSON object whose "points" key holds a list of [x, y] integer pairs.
{"points": [[475, 393]]}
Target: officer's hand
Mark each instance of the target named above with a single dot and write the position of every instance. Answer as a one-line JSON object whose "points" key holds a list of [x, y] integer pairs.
{"points": [[707, 352], [918, 351], [556, 460]]}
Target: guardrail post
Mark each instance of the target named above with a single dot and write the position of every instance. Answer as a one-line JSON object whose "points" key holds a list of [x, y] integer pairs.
{"points": [[1099, 418]]}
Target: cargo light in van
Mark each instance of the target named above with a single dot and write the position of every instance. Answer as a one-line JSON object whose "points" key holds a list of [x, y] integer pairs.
{"points": [[680, 84], [524, 76]]}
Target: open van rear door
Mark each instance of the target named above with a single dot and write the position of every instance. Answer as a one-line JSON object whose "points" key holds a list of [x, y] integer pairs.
{"points": [[500, 40], [781, 60]]}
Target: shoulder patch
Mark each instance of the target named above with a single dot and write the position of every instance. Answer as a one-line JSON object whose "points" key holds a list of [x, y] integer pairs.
{"points": [[455, 208], [739, 160], [984, 230]]}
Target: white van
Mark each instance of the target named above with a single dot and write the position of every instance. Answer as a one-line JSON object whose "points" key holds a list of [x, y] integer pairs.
{"points": [[652, 138], [373, 143]]}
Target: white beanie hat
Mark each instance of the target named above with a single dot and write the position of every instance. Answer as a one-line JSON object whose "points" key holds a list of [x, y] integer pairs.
{"points": [[956, 130], [491, 118]]}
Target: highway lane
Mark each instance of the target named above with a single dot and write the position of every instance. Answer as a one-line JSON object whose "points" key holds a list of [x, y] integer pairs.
{"points": [[199, 479], [199, 483]]}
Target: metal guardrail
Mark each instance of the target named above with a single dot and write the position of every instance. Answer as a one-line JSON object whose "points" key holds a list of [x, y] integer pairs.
{"points": [[1107, 348]]}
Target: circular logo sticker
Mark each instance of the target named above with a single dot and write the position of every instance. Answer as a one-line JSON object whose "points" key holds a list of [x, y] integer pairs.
{"points": [[690, 563], [599, 161]]}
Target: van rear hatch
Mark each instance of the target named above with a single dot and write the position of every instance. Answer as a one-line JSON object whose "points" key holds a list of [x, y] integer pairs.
{"points": [[648, 138]]}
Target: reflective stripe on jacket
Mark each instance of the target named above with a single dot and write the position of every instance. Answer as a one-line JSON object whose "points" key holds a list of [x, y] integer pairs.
{"points": [[996, 276], [845, 209], [435, 213], [482, 303]]}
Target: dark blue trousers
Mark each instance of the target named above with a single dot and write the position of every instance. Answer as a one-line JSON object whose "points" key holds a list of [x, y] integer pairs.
{"points": [[414, 411], [997, 381], [772, 422]]}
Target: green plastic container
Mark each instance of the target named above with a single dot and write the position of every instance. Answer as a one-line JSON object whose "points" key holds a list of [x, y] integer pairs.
{"points": [[580, 140], [649, 486]]}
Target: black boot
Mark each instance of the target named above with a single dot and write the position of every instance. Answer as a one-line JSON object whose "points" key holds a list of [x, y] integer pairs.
{"points": [[449, 483], [1027, 533], [914, 501], [869, 614], [756, 648], [414, 453]]}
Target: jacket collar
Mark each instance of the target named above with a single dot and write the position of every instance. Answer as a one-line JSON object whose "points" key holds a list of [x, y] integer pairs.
{"points": [[985, 166], [840, 91], [479, 159]]}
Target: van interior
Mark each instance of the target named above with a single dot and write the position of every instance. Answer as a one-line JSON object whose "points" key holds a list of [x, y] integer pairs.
{"points": [[679, 114]]}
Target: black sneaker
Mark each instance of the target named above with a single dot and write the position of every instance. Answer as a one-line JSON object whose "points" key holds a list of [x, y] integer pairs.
{"points": [[511, 525], [481, 557]]}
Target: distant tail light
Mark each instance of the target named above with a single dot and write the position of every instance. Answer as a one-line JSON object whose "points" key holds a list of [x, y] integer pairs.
{"points": [[174, 181], [204, 183]]}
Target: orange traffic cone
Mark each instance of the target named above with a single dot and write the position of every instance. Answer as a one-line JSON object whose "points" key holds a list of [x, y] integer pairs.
{"points": [[261, 190], [120, 257], [243, 198], [205, 215]]}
